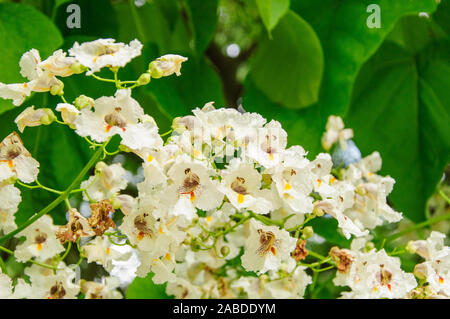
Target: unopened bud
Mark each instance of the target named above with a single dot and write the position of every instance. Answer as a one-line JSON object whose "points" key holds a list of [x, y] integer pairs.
{"points": [[31, 117], [124, 148], [420, 271], [166, 65], [144, 79], [100, 166], [78, 68], [114, 69], [84, 101], [361, 190], [369, 246], [225, 250], [307, 232], [318, 211], [57, 89], [48, 118]]}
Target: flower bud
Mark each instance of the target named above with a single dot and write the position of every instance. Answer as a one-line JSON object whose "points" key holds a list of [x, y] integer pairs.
{"points": [[78, 68], [100, 166], [31, 117], [369, 246], [307, 232], [114, 69], [166, 65], [57, 89], [84, 101], [144, 79], [124, 148], [361, 190], [225, 250], [318, 211], [420, 271]]}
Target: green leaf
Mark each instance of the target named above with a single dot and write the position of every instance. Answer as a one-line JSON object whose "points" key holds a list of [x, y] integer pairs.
{"points": [[104, 25], [144, 288], [442, 15], [203, 21], [149, 20], [347, 43], [271, 11], [401, 101], [197, 85], [289, 67], [328, 228], [23, 28]]}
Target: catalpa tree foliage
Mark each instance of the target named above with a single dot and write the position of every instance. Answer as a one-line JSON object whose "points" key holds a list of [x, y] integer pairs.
{"points": [[274, 196]]}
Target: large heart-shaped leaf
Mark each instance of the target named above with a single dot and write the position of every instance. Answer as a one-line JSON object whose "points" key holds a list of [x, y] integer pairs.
{"points": [[202, 20], [347, 43], [271, 11], [144, 288], [401, 101], [289, 67]]}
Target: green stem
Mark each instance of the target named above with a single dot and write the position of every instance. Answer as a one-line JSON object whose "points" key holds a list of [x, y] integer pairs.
{"points": [[316, 255], [102, 79], [58, 200], [418, 226], [6, 250], [266, 220], [444, 196], [67, 251]]}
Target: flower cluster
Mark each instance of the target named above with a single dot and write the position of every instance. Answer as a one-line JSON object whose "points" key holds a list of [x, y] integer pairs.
{"points": [[224, 204]]}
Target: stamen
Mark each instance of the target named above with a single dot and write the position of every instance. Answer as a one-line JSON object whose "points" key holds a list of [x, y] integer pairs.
{"points": [[39, 247], [240, 198], [149, 158], [287, 187], [108, 127]]}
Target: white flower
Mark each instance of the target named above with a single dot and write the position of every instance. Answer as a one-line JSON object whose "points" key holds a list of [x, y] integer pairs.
{"points": [[101, 251], [338, 196], [109, 180], [9, 203], [370, 207], [166, 65], [69, 113], [292, 287], [335, 132], [293, 181], [45, 284], [105, 52], [266, 247], [375, 275], [105, 290], [41, 241], [149, 234], [5, 286], [16, 161], [16, 92], [436, 267], [271, 141], [191, 180], [121, 115], [241, 184], [183, 289], [31, 117], [42, 74]]}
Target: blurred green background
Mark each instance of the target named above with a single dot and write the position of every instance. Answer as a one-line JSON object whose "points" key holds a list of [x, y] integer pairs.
{"points": [[296, 61]]}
